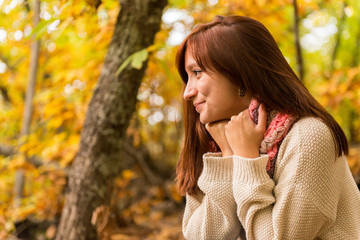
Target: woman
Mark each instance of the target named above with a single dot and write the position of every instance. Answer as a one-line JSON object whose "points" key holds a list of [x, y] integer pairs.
{"points": [[294, 183]]}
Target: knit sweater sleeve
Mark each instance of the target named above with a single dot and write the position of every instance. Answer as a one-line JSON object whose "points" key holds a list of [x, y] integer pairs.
{"points": [[212, 213], [303, 201]]}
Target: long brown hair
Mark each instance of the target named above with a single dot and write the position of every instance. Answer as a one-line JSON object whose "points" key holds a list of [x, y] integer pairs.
{"points": [[244, 51]]}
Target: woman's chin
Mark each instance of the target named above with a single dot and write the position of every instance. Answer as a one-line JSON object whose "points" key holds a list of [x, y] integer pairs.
{"points": [[205, 119]]}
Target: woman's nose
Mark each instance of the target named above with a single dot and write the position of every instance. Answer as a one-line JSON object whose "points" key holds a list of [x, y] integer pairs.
{"points": [[190, 92]]}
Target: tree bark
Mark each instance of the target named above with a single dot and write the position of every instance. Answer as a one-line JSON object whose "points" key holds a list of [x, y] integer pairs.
{"points": [[28, 108], [111, 107], [299, 59]]}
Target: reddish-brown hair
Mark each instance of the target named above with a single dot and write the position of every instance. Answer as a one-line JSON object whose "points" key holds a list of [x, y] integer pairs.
{"points": [[244, 51]]}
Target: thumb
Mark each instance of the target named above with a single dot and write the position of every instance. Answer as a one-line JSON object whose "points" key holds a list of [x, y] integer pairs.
{"points": [[262, 117]]}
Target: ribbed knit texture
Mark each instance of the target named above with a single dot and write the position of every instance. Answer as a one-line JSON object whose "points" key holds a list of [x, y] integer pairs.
{"points": [[312, 195]]}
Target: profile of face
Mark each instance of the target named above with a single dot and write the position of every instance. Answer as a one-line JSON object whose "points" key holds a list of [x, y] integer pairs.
{"points": [[214, 97]]}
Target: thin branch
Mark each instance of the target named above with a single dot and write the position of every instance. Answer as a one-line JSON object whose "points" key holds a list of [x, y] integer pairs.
{"points": [[5, 95], [8, 65], [7, 151], [28, 108], [355, 60], [300, 64], [30, 91], [141, 161], [26, 5], [338, 38]]}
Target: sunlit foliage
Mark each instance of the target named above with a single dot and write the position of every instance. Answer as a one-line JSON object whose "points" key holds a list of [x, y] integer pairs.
{"points": [[74, 38]]}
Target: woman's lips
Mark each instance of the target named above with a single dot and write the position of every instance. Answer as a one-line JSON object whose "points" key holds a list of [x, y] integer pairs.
{"points": [[198, 105]]}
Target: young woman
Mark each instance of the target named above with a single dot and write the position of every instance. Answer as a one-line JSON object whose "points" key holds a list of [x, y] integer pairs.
{"points": [[262, 159]]}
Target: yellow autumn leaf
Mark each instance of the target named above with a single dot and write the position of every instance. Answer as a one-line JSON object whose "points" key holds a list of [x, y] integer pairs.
{"points": [[67, 158], [128, 174], [68, 115], [17, 162], [261, 3], [55, 122], [175, 193], [74, 139], [26, 210]]}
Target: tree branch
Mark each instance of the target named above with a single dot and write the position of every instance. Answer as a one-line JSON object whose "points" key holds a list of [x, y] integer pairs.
{"points": [[4, 93], [355, 59], [6, 61], [129, 152], [7, 151], [338, 38], [28, 108], [128, 148], [299, 58]]}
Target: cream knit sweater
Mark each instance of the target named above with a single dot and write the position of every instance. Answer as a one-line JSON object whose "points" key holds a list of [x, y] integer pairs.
{"points": [[312, 196]]}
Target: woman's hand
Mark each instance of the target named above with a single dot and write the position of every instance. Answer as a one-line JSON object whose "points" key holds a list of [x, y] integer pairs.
{"points": [[217, 131], [243, 135]]}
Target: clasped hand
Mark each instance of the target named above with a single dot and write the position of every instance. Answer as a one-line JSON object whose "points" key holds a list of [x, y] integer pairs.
{"points": [[239, 135]]}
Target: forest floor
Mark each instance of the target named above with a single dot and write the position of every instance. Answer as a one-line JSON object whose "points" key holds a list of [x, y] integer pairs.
{"points": [[162, 228], [144, 211], [168, 228]]}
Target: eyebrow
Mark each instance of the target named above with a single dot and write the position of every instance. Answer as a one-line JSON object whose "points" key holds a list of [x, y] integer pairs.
{"points": [[191, 66]]}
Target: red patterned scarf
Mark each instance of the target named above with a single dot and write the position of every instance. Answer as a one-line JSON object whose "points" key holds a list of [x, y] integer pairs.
{"points": [[278, 125]]}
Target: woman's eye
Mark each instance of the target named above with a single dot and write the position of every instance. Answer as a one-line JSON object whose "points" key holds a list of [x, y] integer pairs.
{"points": [[196, 72]]}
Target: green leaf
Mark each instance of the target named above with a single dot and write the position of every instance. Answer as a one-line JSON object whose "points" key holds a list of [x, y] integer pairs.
{"points": [[40, 28], [123, 65], [139, 58], [136, 60]]}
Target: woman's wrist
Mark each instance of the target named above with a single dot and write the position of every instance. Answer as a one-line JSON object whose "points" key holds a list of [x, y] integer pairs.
{"points": [[247, 153], [227, 153]]}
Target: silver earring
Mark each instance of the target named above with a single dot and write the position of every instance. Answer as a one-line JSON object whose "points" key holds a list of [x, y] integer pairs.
{"points": [[241, 92]]}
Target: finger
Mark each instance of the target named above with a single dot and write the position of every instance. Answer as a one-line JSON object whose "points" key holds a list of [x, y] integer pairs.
{"points": [[247, 118], [246, 111], [237, 117], [262, 117], [234, 118]]}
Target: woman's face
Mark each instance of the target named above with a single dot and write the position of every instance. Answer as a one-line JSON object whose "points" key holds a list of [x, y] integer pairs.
{"points": [[214, 97]]}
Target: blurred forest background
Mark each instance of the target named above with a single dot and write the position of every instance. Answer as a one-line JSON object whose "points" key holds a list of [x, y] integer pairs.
{"points": [[63, 54]]}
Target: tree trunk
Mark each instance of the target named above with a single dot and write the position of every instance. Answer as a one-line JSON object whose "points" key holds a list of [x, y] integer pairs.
{"points": [[28, 108], [111, 107], [299, 59]]}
